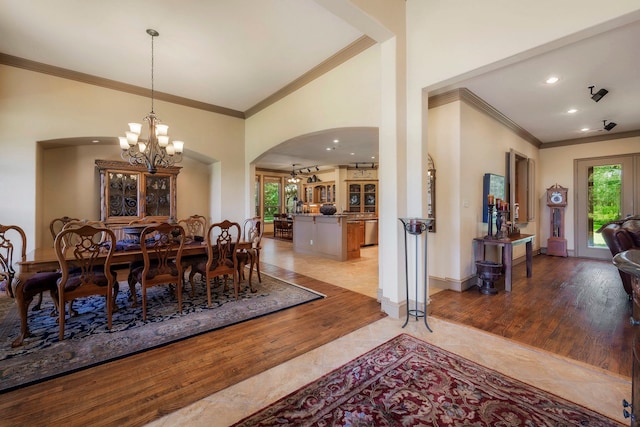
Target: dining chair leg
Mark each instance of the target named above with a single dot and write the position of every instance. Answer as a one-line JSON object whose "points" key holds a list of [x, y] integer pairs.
{"points": [[144, 304], [179, 291], [258, 266], [208, 285]]}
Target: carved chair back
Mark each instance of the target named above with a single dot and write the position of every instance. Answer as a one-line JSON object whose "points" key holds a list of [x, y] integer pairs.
{"points": [[84, 253], [13, 248]]}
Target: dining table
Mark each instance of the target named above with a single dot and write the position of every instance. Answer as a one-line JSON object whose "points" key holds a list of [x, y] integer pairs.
{"points": [[44, 259]]}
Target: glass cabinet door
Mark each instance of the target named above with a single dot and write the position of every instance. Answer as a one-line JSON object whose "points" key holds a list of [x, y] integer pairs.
{"points": [[355, 197], [158, 195], [122, 194], [370, 198]]}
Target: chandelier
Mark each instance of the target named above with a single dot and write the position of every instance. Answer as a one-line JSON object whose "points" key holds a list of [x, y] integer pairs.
{"points": [[156, 151], [293, 179]]}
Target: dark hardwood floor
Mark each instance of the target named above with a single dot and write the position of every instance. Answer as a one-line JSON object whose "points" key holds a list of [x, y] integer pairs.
{"points": [[572, 307], [143, 387]]}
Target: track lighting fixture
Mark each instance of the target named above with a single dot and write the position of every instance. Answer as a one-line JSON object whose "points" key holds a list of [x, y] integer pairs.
{"points": [[609, 126], [599, 94], [308, 170], [317, 169], [373, 165], [356, 166]]}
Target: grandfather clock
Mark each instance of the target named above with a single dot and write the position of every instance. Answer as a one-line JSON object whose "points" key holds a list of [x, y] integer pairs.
{"points": [[557, 201]]}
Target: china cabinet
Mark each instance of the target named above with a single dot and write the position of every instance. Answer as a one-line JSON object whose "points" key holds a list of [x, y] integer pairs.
{"points": [[130, 192]]}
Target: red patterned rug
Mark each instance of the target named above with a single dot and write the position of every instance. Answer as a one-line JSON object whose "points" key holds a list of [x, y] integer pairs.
{"points": [[407, 382]]}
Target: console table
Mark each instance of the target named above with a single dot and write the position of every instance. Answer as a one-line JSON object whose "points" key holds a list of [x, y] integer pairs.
{"points": [[507, 245]]}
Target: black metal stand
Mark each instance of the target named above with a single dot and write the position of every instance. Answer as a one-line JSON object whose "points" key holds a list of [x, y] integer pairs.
{"points": [[415, 227]]}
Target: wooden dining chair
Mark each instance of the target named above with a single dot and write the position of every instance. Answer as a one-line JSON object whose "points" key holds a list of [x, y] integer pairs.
{"points": [[195, 228], [56, 225], [84, 253], [162, 262], [67, 243], [222, 241], [252, 230], [13, 247]]}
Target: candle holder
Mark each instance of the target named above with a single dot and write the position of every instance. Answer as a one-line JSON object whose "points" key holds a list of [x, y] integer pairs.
{"points": [[490, 207]]}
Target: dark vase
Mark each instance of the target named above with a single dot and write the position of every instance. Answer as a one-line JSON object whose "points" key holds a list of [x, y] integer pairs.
{"points": [[327, 209]]}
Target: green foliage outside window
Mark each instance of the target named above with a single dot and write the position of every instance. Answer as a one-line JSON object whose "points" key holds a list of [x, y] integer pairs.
{"points": [[271, 200], [605, 189]]}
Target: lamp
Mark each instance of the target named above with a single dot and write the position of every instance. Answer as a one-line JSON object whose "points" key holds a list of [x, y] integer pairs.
{"points": [[609, 126], [599, 94], [157, 150]]}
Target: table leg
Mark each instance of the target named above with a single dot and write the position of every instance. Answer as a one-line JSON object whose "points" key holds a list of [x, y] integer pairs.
{"points": [[529, 247], [507, 255]]}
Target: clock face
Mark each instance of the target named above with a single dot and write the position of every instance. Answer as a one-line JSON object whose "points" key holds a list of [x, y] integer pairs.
{"points": [[556, 198]]}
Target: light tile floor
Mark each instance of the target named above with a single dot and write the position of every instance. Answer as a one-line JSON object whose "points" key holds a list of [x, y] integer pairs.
{"points": [[580, 383]]}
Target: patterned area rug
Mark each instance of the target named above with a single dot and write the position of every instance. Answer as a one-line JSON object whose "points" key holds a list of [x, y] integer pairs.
{"points": [[88, 342], [407, 382]]}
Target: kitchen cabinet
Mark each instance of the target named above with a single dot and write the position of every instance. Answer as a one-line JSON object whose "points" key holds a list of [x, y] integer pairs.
{"points": [[353, 239], [362, 196], [320, 192]]}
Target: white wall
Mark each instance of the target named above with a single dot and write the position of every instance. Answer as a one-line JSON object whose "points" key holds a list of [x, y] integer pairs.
{"points": [[70, 171], [448, 41], [557, 167], [465, 144], [38, 107]]}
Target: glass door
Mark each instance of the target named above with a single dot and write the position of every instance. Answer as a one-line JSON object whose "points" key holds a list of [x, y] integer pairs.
{"points": [[604, 193]]}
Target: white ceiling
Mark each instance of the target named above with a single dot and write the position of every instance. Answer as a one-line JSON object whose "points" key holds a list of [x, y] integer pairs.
{"points": [[236, 53]]}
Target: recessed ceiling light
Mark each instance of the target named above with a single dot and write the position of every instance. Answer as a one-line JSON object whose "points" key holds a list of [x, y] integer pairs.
{"points": [[373, 157], [353, 154], [95, 141], [551, 80], [584, 129], [335, 141], [572, 111]]}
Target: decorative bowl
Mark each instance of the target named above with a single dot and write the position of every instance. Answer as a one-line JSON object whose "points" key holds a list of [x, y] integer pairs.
{"points": [[327, 209]]}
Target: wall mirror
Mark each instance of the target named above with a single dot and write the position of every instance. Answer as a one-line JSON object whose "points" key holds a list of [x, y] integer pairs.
{"points": [[492, 184], [431, 193]]}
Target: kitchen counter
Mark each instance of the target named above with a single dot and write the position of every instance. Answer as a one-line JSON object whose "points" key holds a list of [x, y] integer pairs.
{"points": [[324, 235]]}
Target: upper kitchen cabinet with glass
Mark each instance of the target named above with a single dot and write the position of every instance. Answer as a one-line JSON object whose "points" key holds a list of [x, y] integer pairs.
{"points": [[320, 192], [363, 197]]}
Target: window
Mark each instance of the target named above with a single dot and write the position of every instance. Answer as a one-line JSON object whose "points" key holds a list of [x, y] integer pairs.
{"points": [[291, 197], [257, 196], [272, 197]]}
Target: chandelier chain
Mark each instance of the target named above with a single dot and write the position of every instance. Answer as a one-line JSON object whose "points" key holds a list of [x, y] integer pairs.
{"points": [[152, 57]]}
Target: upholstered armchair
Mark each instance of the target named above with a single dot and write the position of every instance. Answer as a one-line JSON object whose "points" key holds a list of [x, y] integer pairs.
{"points": [[620, 236]]}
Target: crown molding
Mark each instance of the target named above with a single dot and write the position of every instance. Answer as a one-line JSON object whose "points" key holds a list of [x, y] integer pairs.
{"points": [[598, 138], [473, 100], [355, 48], [64, 73], [340, 57]]}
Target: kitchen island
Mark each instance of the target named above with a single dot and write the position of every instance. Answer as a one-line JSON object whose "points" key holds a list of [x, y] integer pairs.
{"points": [[326, 236]]}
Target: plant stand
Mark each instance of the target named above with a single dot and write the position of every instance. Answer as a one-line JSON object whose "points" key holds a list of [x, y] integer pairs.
{"points": [[416, 227]]}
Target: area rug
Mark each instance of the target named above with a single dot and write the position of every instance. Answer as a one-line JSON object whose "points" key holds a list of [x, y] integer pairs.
{"points": [[88, 342], [408, 382]]}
